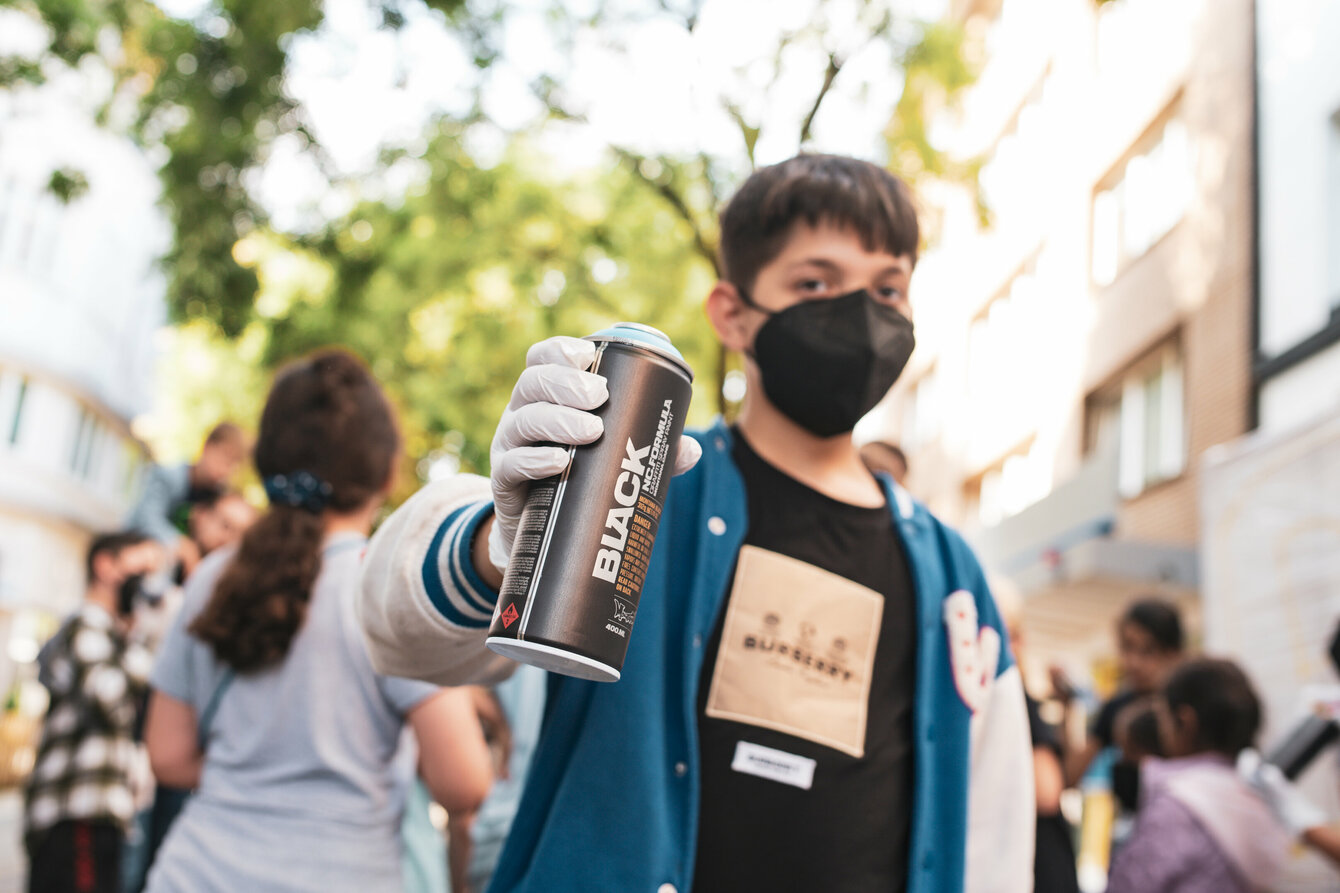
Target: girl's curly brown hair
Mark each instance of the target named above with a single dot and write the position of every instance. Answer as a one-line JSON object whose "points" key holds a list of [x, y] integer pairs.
{"points": [[327, 416]]}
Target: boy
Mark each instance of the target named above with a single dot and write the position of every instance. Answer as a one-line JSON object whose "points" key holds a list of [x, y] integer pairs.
{"points": [[170, 491], [79, 797], [714, 766]]}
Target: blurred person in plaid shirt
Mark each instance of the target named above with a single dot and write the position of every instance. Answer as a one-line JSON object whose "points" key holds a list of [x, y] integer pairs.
{"points": [[80, 795]]}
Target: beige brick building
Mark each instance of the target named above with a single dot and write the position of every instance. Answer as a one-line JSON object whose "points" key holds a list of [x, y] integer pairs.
{"points": [[1080, 352]]}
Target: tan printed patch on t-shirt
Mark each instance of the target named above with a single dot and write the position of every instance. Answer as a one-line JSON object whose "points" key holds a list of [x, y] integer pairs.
{"points": [[797, 650]]}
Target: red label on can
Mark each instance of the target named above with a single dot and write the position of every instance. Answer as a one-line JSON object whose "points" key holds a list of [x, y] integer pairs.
{"points": [[509, 616]]}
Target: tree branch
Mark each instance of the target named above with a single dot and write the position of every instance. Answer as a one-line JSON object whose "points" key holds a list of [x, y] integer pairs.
{"points": [[830, 75], [675, 200]]}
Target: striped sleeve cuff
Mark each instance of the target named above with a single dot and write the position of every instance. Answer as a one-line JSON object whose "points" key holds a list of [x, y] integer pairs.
{"points": [[449, 576]]}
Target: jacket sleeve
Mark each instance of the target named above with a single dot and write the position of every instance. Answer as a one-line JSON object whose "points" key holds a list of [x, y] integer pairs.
{"points": [[1002, 799], [424, 610], [163, 489]]}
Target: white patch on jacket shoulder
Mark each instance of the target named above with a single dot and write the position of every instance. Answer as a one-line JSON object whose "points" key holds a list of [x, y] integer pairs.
{"points": [[974, 653]]}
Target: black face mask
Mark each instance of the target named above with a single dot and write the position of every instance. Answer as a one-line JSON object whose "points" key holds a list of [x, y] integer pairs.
{"points": [[826, 363]]}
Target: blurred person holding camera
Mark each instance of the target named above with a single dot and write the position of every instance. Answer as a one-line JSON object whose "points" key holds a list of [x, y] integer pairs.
{"points": [[81, 795], [170, 491], [265, 701]]}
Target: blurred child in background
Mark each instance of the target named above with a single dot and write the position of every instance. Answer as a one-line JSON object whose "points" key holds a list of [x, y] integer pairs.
{"points": [[1201, 828]]}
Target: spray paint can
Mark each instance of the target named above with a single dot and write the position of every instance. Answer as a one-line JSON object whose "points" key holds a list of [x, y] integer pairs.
{"points": [[583, 543]]}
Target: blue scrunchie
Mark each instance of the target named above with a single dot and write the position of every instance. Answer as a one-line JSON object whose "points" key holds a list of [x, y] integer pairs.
{"points": [[299, 489]]}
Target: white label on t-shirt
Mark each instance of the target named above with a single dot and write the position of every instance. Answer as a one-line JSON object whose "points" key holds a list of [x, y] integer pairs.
{"points": [[774, 765]]}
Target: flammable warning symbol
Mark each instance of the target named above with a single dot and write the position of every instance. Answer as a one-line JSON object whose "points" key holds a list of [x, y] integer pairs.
{"points": [[509, 616]]}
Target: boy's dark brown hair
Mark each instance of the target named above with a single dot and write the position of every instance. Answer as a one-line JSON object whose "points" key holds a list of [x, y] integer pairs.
{"points": [[847, 192], [326, 416]]}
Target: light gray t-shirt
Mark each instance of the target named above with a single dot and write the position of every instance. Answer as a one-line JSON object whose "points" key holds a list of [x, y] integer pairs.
{"points": [[299, 788]]}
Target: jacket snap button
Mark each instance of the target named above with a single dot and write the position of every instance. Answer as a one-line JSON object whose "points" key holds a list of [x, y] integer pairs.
{"points": [[681, 769], [716, 525], [666, 888]]}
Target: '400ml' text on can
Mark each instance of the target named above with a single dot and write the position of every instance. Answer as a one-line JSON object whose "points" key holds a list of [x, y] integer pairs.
{"points": [[584, 540]]}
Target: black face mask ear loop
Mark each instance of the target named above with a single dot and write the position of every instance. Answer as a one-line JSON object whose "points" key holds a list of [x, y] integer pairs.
{"points": [[752, 305]]}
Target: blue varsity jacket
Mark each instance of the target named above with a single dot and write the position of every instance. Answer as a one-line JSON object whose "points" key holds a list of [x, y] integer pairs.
{"points": [[611, 802]]}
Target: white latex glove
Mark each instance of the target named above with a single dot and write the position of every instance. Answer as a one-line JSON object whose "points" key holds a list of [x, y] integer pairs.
{"points": [[1294, 810], [551, 403]]}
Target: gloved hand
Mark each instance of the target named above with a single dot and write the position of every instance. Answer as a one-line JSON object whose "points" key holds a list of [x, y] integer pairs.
{"points": [[551, 403], [1294, 811]]}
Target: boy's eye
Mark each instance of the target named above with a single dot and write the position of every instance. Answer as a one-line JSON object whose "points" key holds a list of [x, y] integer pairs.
{"points": [[812, 287], [890, 292]]}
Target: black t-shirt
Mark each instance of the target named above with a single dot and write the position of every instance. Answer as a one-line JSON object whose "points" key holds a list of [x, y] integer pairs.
{"points": [[847, 832], [1104, 727]]}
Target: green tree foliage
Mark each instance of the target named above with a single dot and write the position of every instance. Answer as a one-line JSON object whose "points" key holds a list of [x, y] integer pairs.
{"points": [[443, 292], [442, 289]]}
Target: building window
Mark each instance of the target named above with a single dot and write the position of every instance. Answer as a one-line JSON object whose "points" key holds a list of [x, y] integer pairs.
{"points": [[1141, 200], [131, 465], [1142, 416], [87, 431], [1010, 175], [13, 398], [995, 368]]}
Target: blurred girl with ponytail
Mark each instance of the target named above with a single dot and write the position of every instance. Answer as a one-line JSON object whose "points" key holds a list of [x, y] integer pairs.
{"points": [[265, 700]]}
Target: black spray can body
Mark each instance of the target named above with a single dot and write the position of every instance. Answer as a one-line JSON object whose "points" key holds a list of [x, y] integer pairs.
{"points": [[584, 540]]}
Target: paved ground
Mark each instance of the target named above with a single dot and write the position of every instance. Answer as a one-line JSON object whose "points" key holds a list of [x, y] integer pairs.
{"points": [[13, 863]]}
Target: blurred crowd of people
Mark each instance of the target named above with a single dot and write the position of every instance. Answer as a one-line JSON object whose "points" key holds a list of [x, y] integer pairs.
{"points": [[186, 712]]}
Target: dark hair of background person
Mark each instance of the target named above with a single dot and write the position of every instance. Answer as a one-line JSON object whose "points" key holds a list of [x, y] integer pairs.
{"points": [[846, 192], [225, 432], [1160, 619], [327, 416], [1228, 711], [1142, 728], [892, 449], [112, 544]]}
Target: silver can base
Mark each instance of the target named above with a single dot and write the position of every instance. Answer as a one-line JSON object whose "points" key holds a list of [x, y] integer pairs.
{"points": [[555, 660]]}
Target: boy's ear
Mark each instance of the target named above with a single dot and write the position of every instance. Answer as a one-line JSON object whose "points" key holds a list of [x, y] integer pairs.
{"points": [[730, 317]]}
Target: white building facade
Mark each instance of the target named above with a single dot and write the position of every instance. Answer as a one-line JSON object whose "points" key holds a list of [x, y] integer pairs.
{"points": [[81, 298], [1078, 352]]}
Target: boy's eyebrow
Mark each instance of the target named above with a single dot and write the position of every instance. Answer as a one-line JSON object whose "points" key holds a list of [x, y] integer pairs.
{"points": [[900, 266]]}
